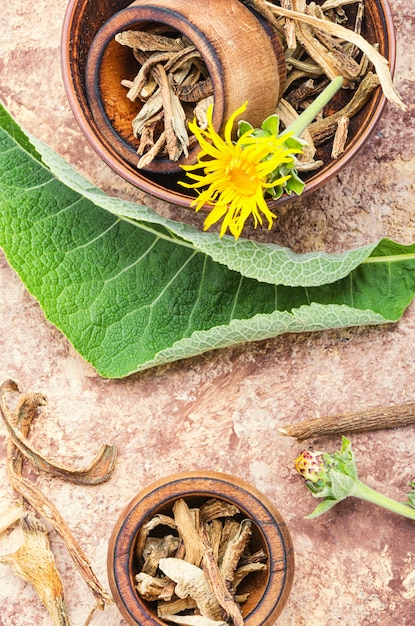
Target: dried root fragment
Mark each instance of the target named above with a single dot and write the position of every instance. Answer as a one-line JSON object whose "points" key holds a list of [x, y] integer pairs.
{"points": [[10, 517], [201, 111], [34, 562], [207, 561], [172, 74], [188, 531], [197, 620], [218, 583], [157, 548], [191, 581], [148, 42], [150, 587], [18, 425], [234, 550], [97, 471], [340, 137], [175, 606], [244, 571], [214, 508]]}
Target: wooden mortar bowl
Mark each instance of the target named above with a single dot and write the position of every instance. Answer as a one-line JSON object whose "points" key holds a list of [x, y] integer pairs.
{"points": [[83, 20], [268, 591], [233, 43]]}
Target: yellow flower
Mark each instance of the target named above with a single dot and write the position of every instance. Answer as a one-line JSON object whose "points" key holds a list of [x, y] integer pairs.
{"points": [[236, 174]]}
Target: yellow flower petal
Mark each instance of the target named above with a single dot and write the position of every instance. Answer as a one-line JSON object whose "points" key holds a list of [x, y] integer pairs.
{"points": [[235, 174]]}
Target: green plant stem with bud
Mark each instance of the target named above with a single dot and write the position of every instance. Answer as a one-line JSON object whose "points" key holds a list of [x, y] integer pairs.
{"points": [[333, 477], [269, 142]]}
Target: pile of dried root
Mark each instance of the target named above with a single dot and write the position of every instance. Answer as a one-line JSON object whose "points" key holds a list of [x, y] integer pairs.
{"points": [[34, 560], [194, 571], [321, 41]]}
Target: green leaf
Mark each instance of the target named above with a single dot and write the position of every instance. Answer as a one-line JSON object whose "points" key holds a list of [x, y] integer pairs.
{"points": [[341, 484], [244, 127], [131, 289], [321, 508], [268, 263], [271, 124]]}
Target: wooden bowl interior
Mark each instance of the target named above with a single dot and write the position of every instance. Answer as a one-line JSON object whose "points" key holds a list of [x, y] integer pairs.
{"points": [[254, 584], [83, 20], [113, 113], [268, 590]]}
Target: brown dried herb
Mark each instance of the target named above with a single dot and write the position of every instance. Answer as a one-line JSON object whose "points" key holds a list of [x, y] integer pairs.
{"points": [[200, 578], [34, 562], [19, 450], [171, 75], [362, 421]]}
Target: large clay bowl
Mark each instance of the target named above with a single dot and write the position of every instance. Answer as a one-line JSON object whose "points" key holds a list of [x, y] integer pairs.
{"points": [[83, 21]]}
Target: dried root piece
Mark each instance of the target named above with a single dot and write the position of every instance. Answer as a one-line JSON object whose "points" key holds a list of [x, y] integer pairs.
{"points": [[201, 111], [188, 531], [196, 91], [244, 571], [234, 550], [191, 581], [147, 42], [10, 517], [214, 508], [289, 27], [217, 582], [197, 620], [97, 471], [377, 418], [214, 532], [34, 562], [174, 606], [150, 587], [340, 136], [157, 548]]}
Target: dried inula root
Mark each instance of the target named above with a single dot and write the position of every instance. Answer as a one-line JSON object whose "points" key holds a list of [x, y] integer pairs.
{"points": [[19, 450], [201, 567], [34, 562], [171, 82], [377, 418], [320, 43]]}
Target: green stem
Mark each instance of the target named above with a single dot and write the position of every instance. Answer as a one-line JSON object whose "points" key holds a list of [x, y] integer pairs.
{"points": [[307, 116], [370, 495]]}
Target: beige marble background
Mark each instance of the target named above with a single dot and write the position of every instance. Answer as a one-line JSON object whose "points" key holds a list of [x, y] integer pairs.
{"points": [[355, 566]]}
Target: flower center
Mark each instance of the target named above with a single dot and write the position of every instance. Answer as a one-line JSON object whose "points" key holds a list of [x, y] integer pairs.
{"points": [[243, 176]]}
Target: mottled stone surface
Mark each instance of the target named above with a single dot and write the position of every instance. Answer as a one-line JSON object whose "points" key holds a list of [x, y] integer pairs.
{"points": [[354, 566]]}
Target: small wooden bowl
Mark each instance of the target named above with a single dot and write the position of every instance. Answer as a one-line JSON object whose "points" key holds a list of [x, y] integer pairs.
{"points": [[232, 43], [268, 590], [83, 21]]}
